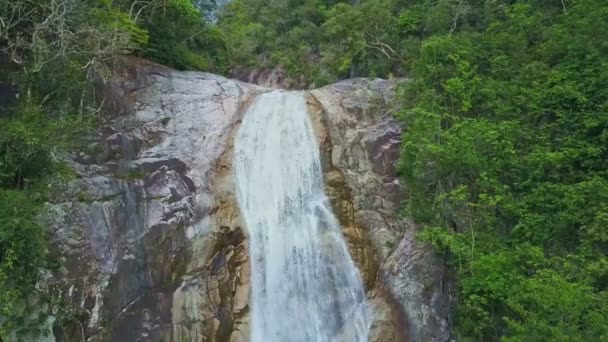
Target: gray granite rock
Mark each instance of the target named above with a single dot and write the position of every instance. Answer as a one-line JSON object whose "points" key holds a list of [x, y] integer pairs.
{"points": [[362, 141], [151, 247]]}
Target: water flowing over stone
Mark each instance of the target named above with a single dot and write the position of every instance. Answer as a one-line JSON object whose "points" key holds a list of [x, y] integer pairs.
{"points": [[305, 286]]}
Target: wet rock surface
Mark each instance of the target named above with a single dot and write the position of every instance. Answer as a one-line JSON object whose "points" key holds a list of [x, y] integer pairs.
{"points": [[150, 242], [152, 245], [361, 141]]}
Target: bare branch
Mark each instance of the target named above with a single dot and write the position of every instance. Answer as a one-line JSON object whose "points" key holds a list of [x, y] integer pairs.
{"points": [[461, 9]]}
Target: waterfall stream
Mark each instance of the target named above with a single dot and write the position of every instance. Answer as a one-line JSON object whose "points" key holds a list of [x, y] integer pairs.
{"points": [[305, 286]]}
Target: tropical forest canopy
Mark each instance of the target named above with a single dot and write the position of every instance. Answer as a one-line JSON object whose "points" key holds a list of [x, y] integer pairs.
{"points": [[505, 149]]}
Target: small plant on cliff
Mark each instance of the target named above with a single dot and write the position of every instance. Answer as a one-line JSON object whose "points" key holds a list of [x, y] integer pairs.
{"points": [[22, 256]]}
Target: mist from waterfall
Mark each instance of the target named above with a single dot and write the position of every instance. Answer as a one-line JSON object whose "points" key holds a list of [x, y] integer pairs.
{"points": [[305, 286]]}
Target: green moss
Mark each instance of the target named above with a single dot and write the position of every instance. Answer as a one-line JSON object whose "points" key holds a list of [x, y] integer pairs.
{"points": [[135, 175], [390, 244]]}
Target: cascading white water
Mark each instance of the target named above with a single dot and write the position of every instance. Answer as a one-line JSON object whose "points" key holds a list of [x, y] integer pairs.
{"points": [[305, 286]]}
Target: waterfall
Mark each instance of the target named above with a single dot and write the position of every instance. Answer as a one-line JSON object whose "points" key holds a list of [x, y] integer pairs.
{"points": [[305, 286]]}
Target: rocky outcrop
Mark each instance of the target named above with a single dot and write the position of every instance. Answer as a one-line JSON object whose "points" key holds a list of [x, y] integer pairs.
{"points": [[148, 235], [276, 77], [150, 240], [361, 141]]}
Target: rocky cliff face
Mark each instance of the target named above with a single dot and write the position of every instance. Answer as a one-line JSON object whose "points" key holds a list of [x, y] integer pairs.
{"points": [[151, 241]]}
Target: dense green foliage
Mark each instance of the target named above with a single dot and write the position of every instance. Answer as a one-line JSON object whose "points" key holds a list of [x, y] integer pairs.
{"points": [[317, 40], [181, 38], [506, 151], [322, 41], [22, 246], [28, 140]]}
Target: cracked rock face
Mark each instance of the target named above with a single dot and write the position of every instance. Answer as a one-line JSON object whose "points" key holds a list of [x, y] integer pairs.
{"points": [[150, 239], [361, 139]]}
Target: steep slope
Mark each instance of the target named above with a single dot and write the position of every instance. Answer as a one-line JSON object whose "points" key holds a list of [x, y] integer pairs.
{"points": [[151, 241]]}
